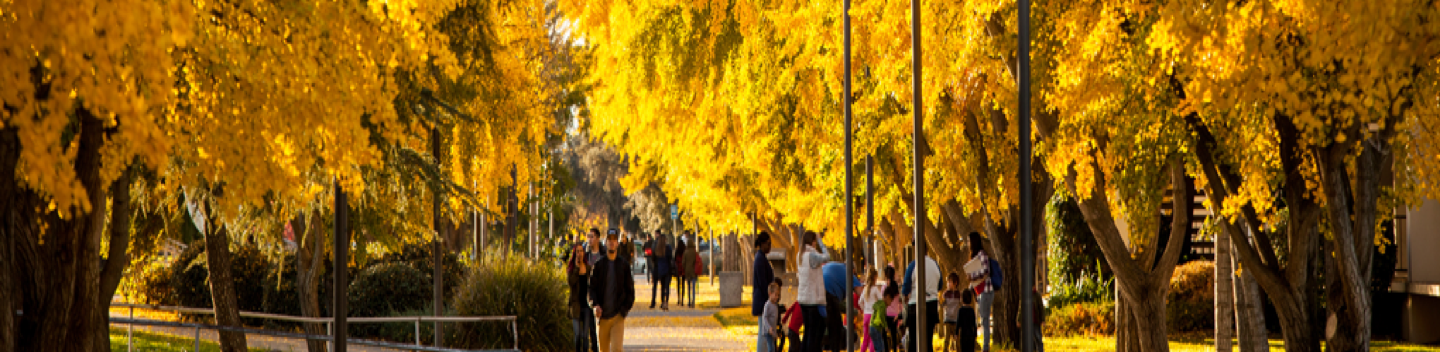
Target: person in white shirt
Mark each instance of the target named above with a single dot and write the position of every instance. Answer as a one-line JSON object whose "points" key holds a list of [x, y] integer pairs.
{"points": [[873, 292], [811, 294], [932, 301]]}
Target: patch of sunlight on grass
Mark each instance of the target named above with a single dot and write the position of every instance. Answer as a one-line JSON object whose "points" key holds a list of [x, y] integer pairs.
{"points": [[149, 341]]}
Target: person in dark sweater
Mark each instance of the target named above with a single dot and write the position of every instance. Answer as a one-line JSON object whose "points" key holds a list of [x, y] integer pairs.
{"points": [[612, 294], [663, 271], [763, 274], [965, 321], [577, 272]]}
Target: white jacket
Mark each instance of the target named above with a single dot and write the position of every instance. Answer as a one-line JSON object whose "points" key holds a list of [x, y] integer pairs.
{"points": [[812, 278]]}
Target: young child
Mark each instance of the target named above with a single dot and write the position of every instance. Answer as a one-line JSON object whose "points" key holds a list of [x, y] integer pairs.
{"points": [[792, 320], [966, 321], [879, 326], [769, 331], [952, 309]]}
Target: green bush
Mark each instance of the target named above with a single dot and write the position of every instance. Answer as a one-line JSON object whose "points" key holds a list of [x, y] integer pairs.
{"points": [[418, 256], [188, 282], [1191, 304], [1081, 319], [533, 291], [385, 290], [1086, 288], [1073, 251]]}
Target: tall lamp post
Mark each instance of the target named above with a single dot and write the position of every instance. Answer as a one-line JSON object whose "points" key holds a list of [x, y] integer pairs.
{"points": [[917, 143], [849, 196], [1027, 208]]}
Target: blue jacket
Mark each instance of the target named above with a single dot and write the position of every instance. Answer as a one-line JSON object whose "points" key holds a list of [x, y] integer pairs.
{"points": [[763, 276]]}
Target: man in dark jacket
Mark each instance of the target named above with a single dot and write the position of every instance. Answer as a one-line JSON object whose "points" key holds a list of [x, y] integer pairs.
{"points": [[612, 294], [763, 274]]}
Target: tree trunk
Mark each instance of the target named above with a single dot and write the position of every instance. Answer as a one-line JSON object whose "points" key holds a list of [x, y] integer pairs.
{"points": [[1136, 329], [117, 258], [307, 271], [52, 264], [1290, 287], [1249, 316], [222, 287], [1224, 293]]}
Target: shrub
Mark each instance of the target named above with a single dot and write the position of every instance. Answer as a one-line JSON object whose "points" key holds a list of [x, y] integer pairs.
{"points": [[155, 287], [1073, 251], [1081, 319], [189, 284], [1191, 303], [418, 256], [533, 291], [384, 290], [1086, 288]]}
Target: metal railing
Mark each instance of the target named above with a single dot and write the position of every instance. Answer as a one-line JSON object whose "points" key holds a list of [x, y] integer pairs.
{"points": [[131, 321]]}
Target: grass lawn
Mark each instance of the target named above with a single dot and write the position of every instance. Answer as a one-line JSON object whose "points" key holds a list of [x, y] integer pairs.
{"points": [[1105, 343], [739, 321], [148, 341]]}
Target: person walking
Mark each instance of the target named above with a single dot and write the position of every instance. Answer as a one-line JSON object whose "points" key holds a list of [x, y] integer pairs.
{"points": [[691, 265], [649, 248], [663, 271], [678, 269], [811, 294], [894, 306], [980, 282], [923, 300], [612, 294], [871, 294], [762, 274], [577, 270], [594, 250]]}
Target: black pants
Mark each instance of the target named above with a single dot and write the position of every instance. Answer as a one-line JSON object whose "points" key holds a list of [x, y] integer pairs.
{"points": [[892, 335], [814, 328], [932, 316], [664, 285]]}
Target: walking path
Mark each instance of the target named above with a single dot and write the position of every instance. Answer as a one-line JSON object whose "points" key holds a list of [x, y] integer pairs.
{"points": [[646, 329], [680, 328]]}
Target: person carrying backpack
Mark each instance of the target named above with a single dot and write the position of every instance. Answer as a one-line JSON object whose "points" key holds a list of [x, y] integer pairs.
{"points": [[984, 281]]}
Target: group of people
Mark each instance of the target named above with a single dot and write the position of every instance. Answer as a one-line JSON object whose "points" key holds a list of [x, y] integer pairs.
{"points": [[682, 262], [889, 306], [602, 291]]}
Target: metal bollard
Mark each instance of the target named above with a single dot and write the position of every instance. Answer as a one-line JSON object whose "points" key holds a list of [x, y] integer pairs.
{"points": [[130, 333], [197, 339]]}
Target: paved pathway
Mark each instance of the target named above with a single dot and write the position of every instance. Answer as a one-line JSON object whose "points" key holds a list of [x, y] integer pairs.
{"points": [[681, 329], [646, 329]]}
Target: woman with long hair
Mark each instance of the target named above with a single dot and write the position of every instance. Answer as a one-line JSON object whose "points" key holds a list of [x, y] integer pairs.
{"points": [[811, 293], [980, 282], [868, 296]]}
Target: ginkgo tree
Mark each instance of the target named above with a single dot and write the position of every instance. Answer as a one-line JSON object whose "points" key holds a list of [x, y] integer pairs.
{"points": [[733, 104], [253, 109]]}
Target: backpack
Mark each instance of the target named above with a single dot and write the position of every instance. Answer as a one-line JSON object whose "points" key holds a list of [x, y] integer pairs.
{"points": [[997, 277], [877, 319]]}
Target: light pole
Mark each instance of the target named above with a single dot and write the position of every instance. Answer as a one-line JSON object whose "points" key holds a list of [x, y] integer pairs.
{"points": [[1027, 228], [917, 143], [849, 191]]}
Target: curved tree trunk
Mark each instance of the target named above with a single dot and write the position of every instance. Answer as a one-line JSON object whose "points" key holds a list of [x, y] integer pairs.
{"points": [[308, 266], [117, 258], [222, 287]]}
